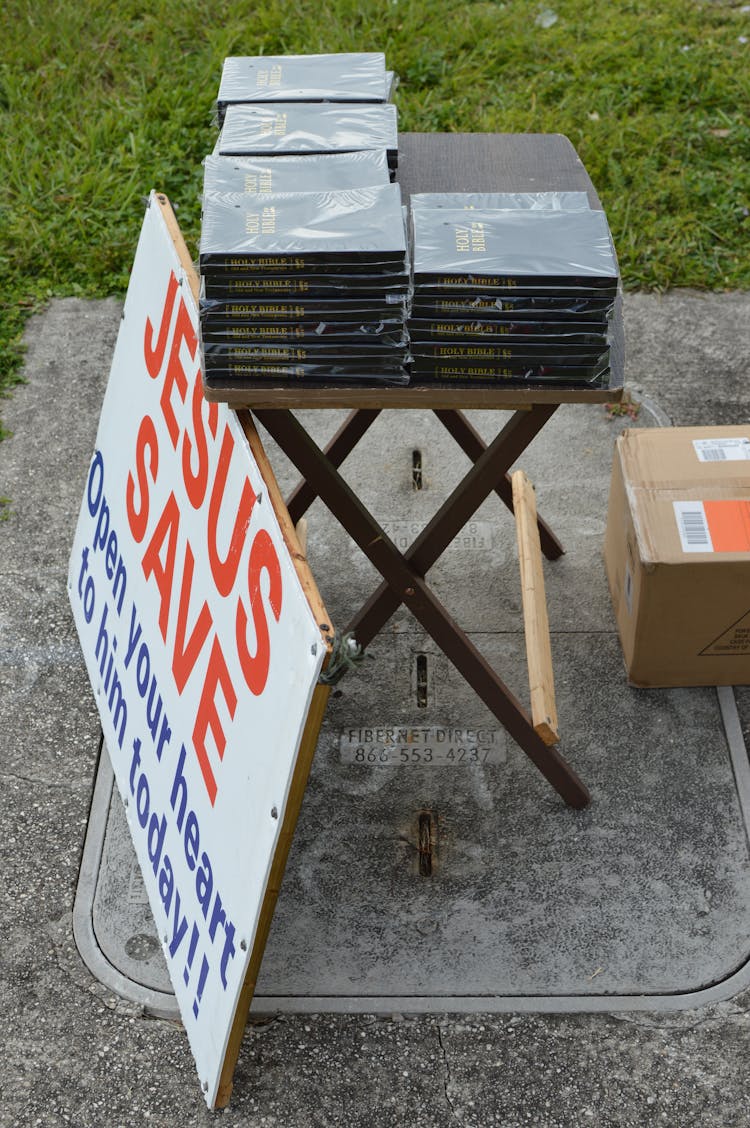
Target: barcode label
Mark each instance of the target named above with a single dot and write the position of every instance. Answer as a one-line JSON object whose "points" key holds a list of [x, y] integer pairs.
{"points": [[722, 450], [692, 526], [712, 454]]}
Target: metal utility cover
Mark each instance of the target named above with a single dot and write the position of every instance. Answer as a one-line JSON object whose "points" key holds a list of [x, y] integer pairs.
{"points": [[457, 885]]}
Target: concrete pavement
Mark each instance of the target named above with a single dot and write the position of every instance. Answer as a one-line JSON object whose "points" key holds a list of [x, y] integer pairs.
{"points": [[74, 1053]]}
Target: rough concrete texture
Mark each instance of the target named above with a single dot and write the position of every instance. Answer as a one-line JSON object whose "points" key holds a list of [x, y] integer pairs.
{"points": [[72, 1053], [690, 352]]}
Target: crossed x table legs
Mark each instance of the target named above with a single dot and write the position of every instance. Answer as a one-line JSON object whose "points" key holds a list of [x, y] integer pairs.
{"points": [[403, 574]]}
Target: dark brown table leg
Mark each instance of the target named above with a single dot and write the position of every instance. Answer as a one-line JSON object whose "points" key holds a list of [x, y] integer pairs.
{"points": [[342, 444], [472, 444], [489, 467], [411, 588]]}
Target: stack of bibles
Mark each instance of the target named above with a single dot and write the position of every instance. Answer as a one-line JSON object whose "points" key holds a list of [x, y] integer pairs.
{"points": [[511, 288], [296, 128], [303, 285], [295, 104], [345, 77], [254, 178], [304, 251]]}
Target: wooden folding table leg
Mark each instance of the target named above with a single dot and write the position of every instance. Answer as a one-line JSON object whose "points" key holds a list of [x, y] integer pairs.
{"points": [[487, 684], [411, 589], [453, 514], [472, 444], [342, 444]]}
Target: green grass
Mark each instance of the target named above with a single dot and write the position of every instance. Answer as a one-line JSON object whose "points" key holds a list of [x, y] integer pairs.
{"points": [[100, 102]]}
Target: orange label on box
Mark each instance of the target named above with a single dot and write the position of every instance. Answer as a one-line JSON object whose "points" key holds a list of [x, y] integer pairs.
{"points": [[729, 525], [713, 526]]}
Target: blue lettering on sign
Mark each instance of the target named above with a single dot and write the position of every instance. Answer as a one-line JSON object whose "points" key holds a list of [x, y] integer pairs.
{"points": [[105, 539], [196, 919], [215, 929], [112, 684], [146, 683], [209, 901]]}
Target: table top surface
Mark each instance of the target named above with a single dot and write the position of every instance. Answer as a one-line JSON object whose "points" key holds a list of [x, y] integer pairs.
{"points": [[460, 162]]}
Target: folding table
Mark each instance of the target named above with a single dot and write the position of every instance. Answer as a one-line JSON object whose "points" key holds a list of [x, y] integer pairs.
{"points": [[442, 163]]}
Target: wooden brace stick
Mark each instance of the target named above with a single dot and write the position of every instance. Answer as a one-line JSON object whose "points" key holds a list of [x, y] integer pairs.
{"points": [[536, 623]]}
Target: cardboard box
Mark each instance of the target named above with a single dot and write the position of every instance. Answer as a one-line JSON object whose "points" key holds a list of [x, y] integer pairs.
{"points": [[677, 554]]}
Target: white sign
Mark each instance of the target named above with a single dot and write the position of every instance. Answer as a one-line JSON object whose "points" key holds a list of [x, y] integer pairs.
{"points": [[200, 645]]}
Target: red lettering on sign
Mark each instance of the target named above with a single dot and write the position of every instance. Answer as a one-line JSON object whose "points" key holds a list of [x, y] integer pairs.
{"points": [[185, 656], [183, 331], [221, 501], [263, 558], [208, 719], [138, 514], [224, 571], [155, 355], [163, 572], [196, 483]]}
